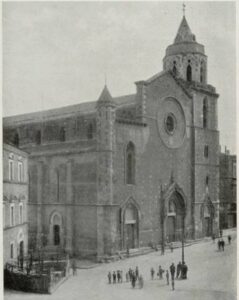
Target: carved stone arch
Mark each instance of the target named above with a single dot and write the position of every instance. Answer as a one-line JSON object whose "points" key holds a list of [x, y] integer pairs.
{"points": [[53, 214], [175, 188], [56, 229]]}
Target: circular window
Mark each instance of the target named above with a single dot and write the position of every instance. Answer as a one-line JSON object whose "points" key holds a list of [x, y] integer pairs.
{"points": [[170, 123]]}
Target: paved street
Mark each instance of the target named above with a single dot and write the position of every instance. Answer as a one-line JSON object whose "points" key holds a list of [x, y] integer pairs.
{"points": [[212, 275]]}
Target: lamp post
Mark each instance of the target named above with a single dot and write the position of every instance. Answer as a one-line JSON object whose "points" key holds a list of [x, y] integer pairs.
{"points": [[183, 234], [162, 219]]}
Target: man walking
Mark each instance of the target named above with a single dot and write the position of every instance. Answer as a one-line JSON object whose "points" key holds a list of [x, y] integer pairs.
{"points": [[172, 271], [223, 244], [114, 277], [179, 266], [152, 273], [229, 239]]}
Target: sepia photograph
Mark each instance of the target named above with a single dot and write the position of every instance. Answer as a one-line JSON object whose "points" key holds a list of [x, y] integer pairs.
{"points": [[119, 163]]}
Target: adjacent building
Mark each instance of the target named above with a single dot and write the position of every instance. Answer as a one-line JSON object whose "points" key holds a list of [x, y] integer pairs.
{"points": [[15, 199], [228, 190], [124, 172]]}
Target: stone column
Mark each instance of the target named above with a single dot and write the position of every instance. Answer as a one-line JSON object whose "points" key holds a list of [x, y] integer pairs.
{"points": [[69, 208]]}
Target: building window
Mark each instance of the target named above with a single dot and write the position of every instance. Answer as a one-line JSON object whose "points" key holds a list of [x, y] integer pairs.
{"points": [[11, 169], [16, 140], [201, 73], [20, 171], [21, 213], [170, 123], [90, 131], [234, 170], [11, 250], [174, 68], [205, 113], [38, 137], [12, 215], [62, 134], [207, 180], [206, 151], [130, 164], [189, 73]]}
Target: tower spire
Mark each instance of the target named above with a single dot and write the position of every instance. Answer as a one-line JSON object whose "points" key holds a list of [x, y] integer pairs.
{"points": [[184, 9]]}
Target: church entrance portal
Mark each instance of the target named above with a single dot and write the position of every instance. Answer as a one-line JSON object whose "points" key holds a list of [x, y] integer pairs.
{"points": [[175, 218], [131, 227]]}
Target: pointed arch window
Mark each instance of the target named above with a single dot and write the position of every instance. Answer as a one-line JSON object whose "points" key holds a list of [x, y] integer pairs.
{"points": [[130, 163], [62, 134], [174, 68], [16, 140], [189, 73], [90, 131], [202, 73], [205, 113], [38, 137]]}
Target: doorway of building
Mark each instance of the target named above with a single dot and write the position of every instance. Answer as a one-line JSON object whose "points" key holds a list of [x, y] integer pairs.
{"points": [[208, 226], [131, 227], [21, 249], [171, 228], [175, 217], [56, 235]]}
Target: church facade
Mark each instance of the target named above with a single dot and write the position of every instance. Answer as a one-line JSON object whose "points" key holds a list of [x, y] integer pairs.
{"points": [[125, 172]]}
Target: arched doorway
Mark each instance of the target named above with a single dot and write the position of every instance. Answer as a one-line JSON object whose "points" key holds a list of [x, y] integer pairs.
{"points": [[175, 217], [21, 249], [56, 229], [130, 226], [207, 219]]}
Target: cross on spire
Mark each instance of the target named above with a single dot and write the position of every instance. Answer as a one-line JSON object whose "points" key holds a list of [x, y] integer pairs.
{"points": [[184, 8]]}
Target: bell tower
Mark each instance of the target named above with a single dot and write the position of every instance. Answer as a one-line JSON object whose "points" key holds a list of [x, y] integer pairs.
{"points": [[186, 58]]}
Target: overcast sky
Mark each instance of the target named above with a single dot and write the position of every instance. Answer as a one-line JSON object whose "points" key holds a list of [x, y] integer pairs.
{"points": [[57, 53]]}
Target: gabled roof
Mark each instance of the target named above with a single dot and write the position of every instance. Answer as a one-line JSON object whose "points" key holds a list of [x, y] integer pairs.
{"points": [[184, 33], [84, 108]]}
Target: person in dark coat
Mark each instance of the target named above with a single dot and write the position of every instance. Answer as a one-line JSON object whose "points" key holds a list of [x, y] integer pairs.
{"points": [[172, 271], [133, 279], [114, 277], [137, 272], [219, 245], [184, 270], [222, 244], [179, 266], [118, 276], [229, 239], [109, 277]]}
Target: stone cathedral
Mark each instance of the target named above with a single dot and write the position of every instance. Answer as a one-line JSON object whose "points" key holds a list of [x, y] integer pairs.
{"points": [[125, 172]]}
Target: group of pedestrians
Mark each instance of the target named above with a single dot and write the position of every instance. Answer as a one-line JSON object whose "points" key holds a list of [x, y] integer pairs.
{"points": [[221, 243], [135, 278], [115, 276], [131, 276]]}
